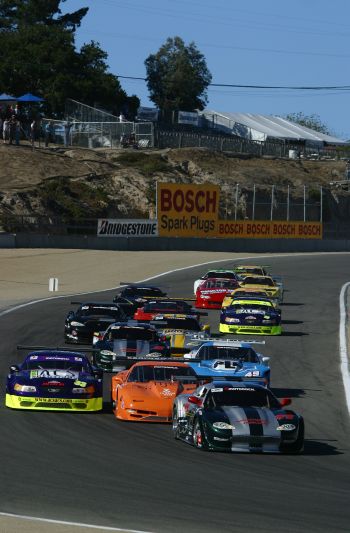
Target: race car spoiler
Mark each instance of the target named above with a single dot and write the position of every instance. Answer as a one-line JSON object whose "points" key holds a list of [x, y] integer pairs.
{"points": [[159, 359], [55, 348], [234, 341]]}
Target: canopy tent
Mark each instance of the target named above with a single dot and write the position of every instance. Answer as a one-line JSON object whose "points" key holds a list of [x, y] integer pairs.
{"points": [[28, 97], [7, 98]]}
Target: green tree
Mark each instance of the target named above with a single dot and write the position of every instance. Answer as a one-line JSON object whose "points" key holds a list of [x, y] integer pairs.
{"points": [[309, 121], [177, 76], [38, 50]]}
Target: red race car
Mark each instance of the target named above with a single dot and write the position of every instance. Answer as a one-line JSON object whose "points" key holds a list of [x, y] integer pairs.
{"points": [[156, 307], [212, 291]]}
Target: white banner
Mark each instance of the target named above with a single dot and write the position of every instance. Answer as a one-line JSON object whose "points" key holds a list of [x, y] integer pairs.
{"points": [[147, 114], [185, 117], [111, 227]]}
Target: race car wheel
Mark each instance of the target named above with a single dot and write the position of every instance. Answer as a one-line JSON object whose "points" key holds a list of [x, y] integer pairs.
{"points": [[297, 446], [176, 429], [199, 440]]}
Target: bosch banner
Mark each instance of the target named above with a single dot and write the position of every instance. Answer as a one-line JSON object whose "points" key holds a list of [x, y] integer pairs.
{"points": [[108, 227], [260, 229], [186, 210]]}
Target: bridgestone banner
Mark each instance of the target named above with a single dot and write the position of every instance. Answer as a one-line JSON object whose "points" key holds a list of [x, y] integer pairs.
{"points": [[262, 229], [108, 227], [187, 210]]}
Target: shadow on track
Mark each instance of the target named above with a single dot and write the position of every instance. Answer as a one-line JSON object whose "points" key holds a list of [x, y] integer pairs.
{"points": [[293, 334], [291, 304], [292, 322], [288, 393], [319, 447]]}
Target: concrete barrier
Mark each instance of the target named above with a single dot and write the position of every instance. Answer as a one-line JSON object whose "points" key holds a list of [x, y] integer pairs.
{"points": [[88, 242], [7, 240]]}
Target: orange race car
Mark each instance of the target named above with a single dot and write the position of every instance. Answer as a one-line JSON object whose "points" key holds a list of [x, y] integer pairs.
{"points": [[146, 391]]}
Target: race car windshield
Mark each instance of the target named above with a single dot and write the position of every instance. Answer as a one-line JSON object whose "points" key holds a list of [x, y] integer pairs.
{"points": [[250, 308], [228, 352], [253, 270], [137, 334], [219, 284], [258, 281], [143, 374], [188, 324], [99, 311], [54, 364], [227, 275], [241, 398]]}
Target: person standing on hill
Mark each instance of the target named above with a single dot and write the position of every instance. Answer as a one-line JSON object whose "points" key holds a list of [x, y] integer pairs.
{"points": [[5, 129]]}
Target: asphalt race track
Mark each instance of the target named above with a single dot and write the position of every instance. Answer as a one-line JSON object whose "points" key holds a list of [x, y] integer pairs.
{"points": [[94, 469]]}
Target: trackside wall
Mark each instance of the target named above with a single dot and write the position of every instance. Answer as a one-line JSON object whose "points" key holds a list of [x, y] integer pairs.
{"points": [[31, 240]]}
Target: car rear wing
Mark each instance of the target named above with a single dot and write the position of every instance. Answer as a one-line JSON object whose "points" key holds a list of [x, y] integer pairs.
{"points": [[159, 359], [233, 341], [55, 348], [133, 284], [169, 298]]}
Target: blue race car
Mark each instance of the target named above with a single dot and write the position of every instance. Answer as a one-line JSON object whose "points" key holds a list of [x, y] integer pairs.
{"points": [[54, 380], [230, 359]]}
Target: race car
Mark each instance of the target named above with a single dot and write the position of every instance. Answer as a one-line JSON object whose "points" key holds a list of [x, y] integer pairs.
{"points": [[243, 271], [237, 417], [155, 307], [123, 339], [216, 273], [138, 294], [230, 359], [265, 283], [212, 291], [81, 324], [183, 332], [251, 316], [145, 392], [250, 270], [54, 380], [242, 293]]}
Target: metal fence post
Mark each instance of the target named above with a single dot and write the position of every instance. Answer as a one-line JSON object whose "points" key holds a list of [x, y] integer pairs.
{"points": [[272, 199], [253, 210], [288, 193], [304, 203], [321, 204], [236, 203]]}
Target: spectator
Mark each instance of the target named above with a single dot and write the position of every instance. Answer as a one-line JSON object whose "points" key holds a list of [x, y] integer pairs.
{"points": [[32, 133], [67, 126], [49, 132], [12, 129], [5, 129], [17, 130], [121, 117]]}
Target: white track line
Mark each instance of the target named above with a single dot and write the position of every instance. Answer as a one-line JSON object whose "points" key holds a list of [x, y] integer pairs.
{"points": [[75, 524], [343, 343]]}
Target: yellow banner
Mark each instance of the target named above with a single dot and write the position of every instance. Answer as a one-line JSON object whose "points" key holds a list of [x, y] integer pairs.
{"points": [[261, 229], [185, 210]]}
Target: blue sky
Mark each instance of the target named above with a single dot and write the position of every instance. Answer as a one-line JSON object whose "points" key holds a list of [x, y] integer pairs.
{"points": [[274, 43]]}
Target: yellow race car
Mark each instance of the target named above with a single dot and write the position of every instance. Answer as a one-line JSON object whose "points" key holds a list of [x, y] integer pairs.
{"points": [[241, 292], [265, 283]]}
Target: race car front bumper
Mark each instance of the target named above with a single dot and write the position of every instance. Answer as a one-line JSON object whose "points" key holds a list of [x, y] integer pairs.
{"points": [[247, 330], [53, 404]]}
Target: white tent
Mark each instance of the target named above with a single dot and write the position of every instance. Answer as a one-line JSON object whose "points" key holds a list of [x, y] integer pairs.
{"points": [[263, 127]]}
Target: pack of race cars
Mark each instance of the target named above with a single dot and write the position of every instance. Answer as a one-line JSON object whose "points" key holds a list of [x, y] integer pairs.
{"points": [[168, 368]]}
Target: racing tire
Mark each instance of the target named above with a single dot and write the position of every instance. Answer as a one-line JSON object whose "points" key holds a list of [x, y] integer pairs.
{"points": [[175, 425], [199, 440], [297, 446]]}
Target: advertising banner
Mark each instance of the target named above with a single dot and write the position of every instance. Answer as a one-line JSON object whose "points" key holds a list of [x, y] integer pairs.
{"points": [[109, 227], [262, 229], [187, 210], [186, 117]]}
